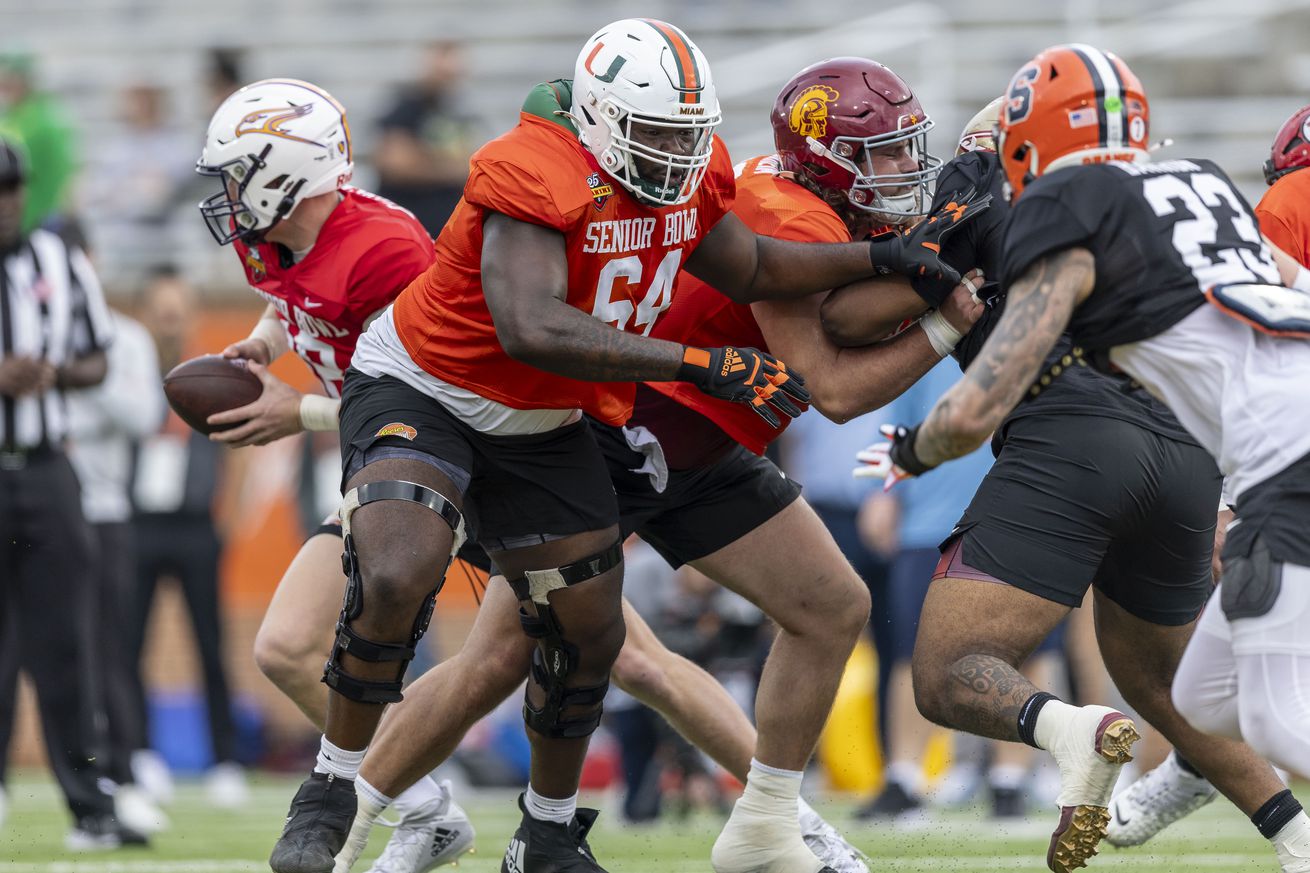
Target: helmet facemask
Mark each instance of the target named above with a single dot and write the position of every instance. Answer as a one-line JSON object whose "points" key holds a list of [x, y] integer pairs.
{"points": [[226, 213], [656, 175], [872, 191]]}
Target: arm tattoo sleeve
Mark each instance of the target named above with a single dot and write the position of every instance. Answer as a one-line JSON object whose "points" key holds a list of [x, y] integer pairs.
{"points": [[1037, 310]]}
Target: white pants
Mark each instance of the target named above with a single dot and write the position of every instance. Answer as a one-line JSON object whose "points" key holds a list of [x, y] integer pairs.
{"points": [[1249, 679]]}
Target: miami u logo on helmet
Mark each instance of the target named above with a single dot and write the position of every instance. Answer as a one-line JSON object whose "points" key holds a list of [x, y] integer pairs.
{"points": [[270, 121], [809, 114]]}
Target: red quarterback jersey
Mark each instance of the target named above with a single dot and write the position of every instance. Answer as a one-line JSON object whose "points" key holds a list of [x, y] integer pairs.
{"points": [[772, 205], [366, 253], [623, 257]]}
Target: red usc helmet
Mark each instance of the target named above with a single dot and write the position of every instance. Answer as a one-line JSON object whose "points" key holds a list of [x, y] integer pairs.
{"points": [[1291, 150], [832, 115], [1070, 105]]}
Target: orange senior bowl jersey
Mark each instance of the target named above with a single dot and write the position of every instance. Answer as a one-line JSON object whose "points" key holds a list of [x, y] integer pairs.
{"points": [[772, 205], [366, 253], [623, 257], [1284, 215]]}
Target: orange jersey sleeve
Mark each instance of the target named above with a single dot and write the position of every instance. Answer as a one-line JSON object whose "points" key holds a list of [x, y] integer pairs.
{"points": [[1284, 214], [773, 206]]}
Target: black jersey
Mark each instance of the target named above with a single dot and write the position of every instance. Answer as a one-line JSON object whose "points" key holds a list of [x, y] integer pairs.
{"points": [[1072, 388], [1161, 234]]}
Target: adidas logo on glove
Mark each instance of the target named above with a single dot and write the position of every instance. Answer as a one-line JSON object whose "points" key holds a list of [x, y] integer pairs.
{"points": [[732, 362]]}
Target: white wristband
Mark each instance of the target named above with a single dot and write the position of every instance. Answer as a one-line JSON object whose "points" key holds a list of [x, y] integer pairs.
{"points": [[1302, 280], [273, 335], [940, 333], [318, 412]]}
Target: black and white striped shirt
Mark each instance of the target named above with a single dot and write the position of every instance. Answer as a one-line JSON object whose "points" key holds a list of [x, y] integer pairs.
{"points": [[52, 308]]}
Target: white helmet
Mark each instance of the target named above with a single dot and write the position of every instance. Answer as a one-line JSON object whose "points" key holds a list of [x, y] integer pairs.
{"points": [[640, 71], [274, 144]]}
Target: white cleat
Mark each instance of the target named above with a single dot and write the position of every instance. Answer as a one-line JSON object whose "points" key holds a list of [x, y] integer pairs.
{"points": [[1292, 844], [226, 787], [1090, 750], [831, 847], [134, 807], [150, 771], [1155, 801], [435, 834], [756, 840]]}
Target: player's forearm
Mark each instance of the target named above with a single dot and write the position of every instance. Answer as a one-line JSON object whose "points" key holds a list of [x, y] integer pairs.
{"points": [[271, 333], [787, 270], [319, 413], [868, 311], [861, 380], [564, 340]]}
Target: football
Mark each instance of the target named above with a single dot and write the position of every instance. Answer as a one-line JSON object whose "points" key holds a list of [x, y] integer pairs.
{"points": [[200, 387]]}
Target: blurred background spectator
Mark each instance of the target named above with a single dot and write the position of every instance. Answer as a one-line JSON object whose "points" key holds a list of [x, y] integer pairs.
{"points": [[105, 424], [39, 122], [135, 180], [426, 138], [183, 504]]}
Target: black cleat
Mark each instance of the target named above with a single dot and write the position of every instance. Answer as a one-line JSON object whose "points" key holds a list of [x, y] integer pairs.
{"points": [[893, 802], [1008, 803], [102, 831], [550, 847], [320, 818]]}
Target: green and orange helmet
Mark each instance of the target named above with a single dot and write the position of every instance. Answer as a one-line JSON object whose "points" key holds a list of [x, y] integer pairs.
{"points": [[640, 72]]}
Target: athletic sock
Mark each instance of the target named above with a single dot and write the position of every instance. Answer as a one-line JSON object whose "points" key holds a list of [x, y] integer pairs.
{"points": [[1051, 717], [372, 803], [1275, 814], [1186, 766], [417, 795], [541, 808], [341, 763]]}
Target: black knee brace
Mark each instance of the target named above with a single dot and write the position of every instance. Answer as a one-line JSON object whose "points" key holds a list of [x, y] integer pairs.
{"points": [[555, 657], [349, 642]]}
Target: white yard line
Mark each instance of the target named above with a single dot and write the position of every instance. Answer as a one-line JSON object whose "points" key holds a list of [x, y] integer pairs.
{"points": [[197, 866]]}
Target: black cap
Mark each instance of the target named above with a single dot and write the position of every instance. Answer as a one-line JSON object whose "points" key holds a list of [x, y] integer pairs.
{"points": [[12, 168]]}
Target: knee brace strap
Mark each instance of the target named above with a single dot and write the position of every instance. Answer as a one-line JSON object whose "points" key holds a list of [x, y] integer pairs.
{"points": [[549, 720], [534, 585], [398, 489]]}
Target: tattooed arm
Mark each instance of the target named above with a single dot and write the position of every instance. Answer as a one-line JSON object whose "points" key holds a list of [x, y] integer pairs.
{"points": [[525, 281], [1037, 311]]}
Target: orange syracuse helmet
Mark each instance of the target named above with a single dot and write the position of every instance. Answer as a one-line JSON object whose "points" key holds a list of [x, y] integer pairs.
{"points": [[1072, 104]]}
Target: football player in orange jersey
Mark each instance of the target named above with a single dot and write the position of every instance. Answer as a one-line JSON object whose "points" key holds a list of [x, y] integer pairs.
{"points": [[689, 479], [467, 394], [1283, 211]]}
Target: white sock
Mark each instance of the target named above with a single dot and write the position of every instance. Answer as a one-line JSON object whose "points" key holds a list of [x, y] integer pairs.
{"points": [[341, 763], [773, 790], [1007, 776], [372, 803], [908, 775], [1054, 717], [420, 793], [550, 808]]}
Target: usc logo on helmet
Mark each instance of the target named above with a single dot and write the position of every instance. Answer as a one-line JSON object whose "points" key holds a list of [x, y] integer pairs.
{"points": [[809, 113], [270, 121]]}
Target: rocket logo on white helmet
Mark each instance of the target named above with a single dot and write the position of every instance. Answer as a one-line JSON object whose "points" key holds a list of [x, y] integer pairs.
{"points": [[273, 144]]}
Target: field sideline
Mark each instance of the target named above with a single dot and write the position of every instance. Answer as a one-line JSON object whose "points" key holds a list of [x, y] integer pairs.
{"points": [[1216, 840]]}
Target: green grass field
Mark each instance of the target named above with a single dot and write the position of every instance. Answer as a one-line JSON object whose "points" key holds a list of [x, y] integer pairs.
{"points": [[1216, 839]]}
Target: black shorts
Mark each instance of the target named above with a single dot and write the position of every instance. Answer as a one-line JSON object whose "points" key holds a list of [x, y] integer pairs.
{"points": [[700, 510], [1078, 500], [518, 487]]}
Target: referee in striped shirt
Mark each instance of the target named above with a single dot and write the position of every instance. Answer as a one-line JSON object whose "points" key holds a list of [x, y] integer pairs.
{"points": [[54, 327]]}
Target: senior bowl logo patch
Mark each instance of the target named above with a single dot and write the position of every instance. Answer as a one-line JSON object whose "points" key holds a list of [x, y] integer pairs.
{"points": [[809, 113], [256, 264], [396, 428], [600, 190]]}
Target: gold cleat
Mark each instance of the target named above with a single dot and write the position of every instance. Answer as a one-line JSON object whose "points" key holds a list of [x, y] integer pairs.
{"points": [[1082, 828]]}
